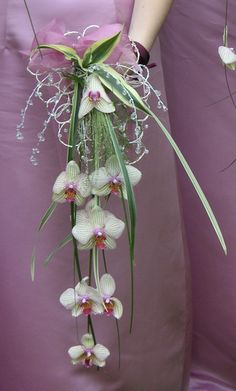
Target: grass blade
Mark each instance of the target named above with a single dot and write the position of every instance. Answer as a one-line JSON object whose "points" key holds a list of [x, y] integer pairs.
{"points": [[60, 245], [128, 94], [47, 215], [32, 264], [131, 224]]}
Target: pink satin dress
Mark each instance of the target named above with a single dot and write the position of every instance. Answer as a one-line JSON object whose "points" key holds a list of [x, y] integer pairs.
{"points": [[203, 123], [36, 331]]}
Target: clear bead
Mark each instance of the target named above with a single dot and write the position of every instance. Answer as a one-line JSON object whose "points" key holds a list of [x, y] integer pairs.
{"points": [[19, 136], [133, 116]]}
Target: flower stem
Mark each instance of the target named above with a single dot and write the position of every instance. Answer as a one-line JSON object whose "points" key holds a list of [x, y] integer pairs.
{"points": [[70, 156], [131, 264], [76, 252], [104, 260]]}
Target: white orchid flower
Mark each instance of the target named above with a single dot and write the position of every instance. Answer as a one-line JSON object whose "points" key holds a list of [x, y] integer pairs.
{"points": [[112, 306], [88, 354], [109, 179], [71, 185], [96, 227], [82, 300], [94, 96], [227, 55]]}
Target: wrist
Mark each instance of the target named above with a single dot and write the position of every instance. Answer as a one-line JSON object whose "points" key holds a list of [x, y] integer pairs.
{"points": [[142, 53]]}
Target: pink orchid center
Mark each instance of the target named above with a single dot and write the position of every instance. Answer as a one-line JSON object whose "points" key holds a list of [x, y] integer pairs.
{"points": [[109, 307], [115, 185], [88, 359], [100, 238], [86, 306], [94, 96], [70, 193]]}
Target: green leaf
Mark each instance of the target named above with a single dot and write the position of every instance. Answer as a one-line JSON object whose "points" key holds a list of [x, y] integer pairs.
{"points": [[47, 215], [60, 245], [126, 94], [69, 53], [131, 224], [225, 36], [32, 264], [99, 51]]}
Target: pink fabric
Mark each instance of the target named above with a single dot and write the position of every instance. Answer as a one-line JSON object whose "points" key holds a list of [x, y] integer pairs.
{"points": [[36, 331], [203, 123], [53, 34]]}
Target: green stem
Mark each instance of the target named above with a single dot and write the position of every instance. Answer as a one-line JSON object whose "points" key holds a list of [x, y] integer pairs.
{"points": [[73, 121], [91, 329], [117, 323], [104, 261], [125, 213], [70, 156], [76, 252], [118, 339]]}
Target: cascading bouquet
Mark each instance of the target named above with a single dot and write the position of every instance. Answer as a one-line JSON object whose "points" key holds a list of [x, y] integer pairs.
{"points": [[97, 94]]}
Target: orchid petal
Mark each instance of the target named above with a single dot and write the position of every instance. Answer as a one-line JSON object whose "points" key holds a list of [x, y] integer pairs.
{"points": [[87, 246], [95, 85], [97, 217], [99, 178], [72, 170], [60, 183], [94, 295], [77, 311], [90, 205], [75, 352], [227, 55], [107, 285], [103, 191], [98, 363], [83, 230], [83, 185], [81, 288], [85, 107], [87, 341], [67, 299], [60, 197], [105, 107], [110, 243], [97, 308], [101, 352], [134, 174], [124, 191], [113, 226], [117, 308], [112, 166], [79, 199]]}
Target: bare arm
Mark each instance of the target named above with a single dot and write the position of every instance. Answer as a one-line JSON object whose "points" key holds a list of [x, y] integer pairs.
{"points": [[147, 19]]}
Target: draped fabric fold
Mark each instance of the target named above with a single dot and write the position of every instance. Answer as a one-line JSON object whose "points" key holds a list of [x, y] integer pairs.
{"points": [[35, 331]]}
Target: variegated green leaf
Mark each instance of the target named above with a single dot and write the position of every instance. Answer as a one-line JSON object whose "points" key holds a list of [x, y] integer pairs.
{"points": [[100, 50], [69, 53], [32, 264], [47, 215], [131, 224], [129, 96], [60, 245]]}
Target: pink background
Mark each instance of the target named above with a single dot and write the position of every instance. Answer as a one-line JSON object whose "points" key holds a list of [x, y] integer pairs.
{"points": [[36, 331]]}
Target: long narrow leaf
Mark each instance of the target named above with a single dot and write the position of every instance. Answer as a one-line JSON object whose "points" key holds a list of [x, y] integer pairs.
{"points": [[60, 245], [131, 206], [47, 215], [32, 265], [130, 193], [100, 50], [69, 53], [129, 96]]}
